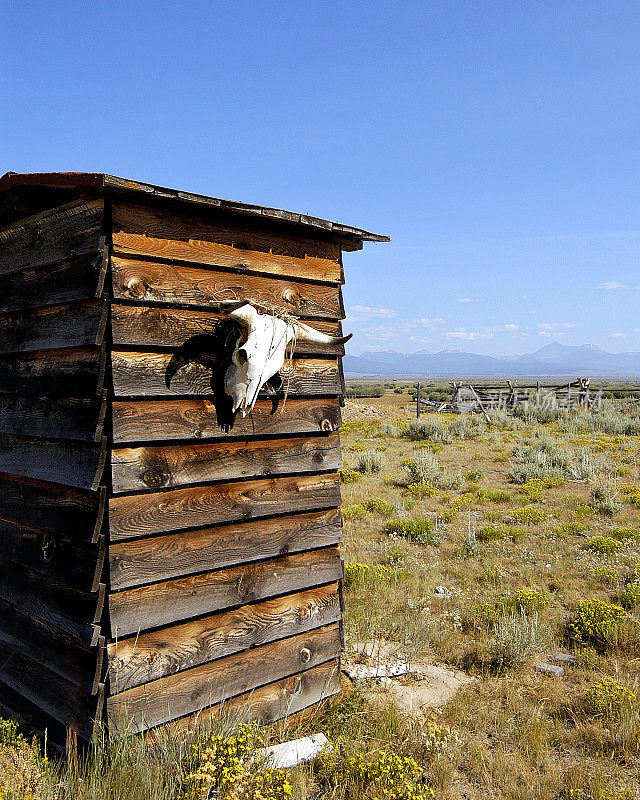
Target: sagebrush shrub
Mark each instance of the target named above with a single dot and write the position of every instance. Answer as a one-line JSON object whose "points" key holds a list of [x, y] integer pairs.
{"points": [[430, 429], [421, 468], [517, 637], [528, 516], [422, 530], [370, 462]]}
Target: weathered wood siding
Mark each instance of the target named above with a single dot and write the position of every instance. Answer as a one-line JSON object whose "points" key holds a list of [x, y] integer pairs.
{"points": [[159, 560], [223, 560], [53, 323]]}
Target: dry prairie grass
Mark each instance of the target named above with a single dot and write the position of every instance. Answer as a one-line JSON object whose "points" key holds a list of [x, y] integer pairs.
{"points": [[512, 734]]}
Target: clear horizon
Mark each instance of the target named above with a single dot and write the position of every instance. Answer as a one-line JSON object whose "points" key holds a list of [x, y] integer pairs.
{"points": [[496, 143]]}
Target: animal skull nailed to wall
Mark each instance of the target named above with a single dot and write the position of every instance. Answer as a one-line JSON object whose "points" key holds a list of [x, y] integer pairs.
{"points": [[260, 351]]}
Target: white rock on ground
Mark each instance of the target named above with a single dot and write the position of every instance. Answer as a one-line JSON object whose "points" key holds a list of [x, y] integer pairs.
{"points": [[297, 751]]}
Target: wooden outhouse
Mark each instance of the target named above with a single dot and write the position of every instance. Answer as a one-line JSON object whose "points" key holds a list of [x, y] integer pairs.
{"points": [[160, 556]]}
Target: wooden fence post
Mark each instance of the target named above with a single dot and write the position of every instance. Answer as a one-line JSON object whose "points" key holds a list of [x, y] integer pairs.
{"points": [[418, 401]]}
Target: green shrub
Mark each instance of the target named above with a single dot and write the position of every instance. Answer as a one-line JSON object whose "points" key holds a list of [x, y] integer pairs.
{"points": [[348, 475], [358, 447], [473, 475], [605, 545], [494, 495], [363, 573], [354, 511], [420, 491], [528, 516], [625, 534], [606, 575], [529, 600], [378, 506], [490, 533], [630, 595], [609, 697], [420, 530], [598, 622]]}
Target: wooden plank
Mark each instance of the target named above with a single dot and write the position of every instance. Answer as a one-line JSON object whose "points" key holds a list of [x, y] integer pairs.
{"points": [[144, 658], [75, 372], [146, 607], [73, 612], [271, 702], [51, 507], [147, 374], [163, 557], [186, 692], [149, 326], [80, 278], [161, 283], [54, 327], [72, 561], [143, 514], [72, 229], [158, 232], [51, 648], [192, 419], [76, 419], [68, 463], [154, 467], [58, 697]]}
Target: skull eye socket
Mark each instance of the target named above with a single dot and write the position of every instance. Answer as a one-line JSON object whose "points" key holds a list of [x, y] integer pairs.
{"points": [[242, 356]]}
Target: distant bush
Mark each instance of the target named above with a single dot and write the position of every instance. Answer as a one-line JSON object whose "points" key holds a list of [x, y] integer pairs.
{"points": [[610, 698], [421, 468], [363, 573], [370, 463], [494, 495], [420, 491], [605, 545], [377, 505], [529, 600], [364, 389], [625, 534], [348, 475], [605, 498], [598, 622], [630, 595], [416, 530], [517, 637], [428, 428], [528, 515]]}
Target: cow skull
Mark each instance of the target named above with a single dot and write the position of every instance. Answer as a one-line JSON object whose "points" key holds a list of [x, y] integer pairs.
{"points": [[261, 350]]}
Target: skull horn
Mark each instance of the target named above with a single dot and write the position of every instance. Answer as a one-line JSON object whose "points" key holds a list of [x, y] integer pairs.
{"points": [[306, 334]]}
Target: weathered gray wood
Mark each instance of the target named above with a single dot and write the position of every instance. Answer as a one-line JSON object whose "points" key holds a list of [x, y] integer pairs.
{"points": [[70, 230], [145, 374], [144, 514], [145, 607], [194, 419], [148, 231], [54, 373], [53, 418], [71, 561], [269, 703], [68, 463], [51, 648], [79, 278], [154, 467], [54, 327], [73, 612], [167, 698], [154, 282], [152, 655], [156, 558], [58, 697], [149, 326]]}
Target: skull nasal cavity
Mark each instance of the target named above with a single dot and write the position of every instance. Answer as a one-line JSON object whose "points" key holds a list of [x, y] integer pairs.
{"points": [[242, 356]]}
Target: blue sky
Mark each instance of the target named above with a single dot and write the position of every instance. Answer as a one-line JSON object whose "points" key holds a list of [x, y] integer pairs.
{"points": [[497, 143]]}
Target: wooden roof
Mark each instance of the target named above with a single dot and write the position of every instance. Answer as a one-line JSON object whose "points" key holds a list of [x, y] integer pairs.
{"points": [[99, 180]]}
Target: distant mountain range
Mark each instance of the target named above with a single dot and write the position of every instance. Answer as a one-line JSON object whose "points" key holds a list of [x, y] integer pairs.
{"points": [[553, 359]]}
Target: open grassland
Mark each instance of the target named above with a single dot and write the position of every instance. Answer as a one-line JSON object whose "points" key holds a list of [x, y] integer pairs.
{"points": [[486, 548]]}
